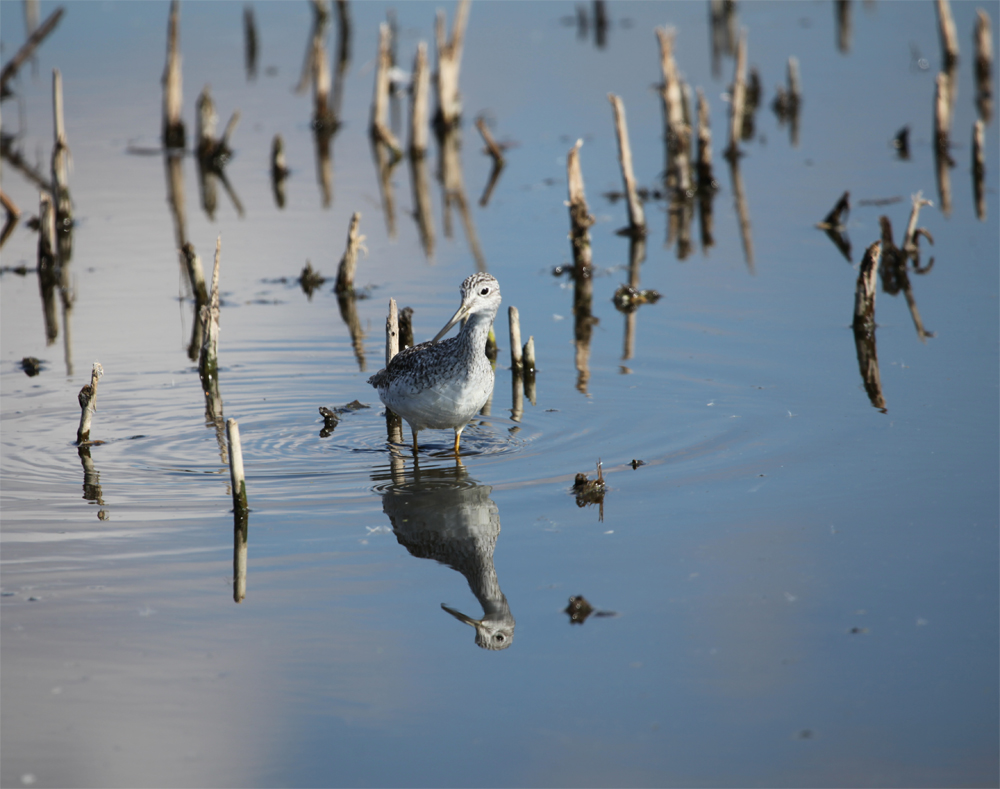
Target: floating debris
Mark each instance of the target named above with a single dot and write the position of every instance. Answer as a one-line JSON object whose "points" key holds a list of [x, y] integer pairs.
{"points": [[579, 609], [31, 366], [590, 491], [636, 463], [901, 142], [330, 421], [331, 417], [629, 299], [310, 280]]}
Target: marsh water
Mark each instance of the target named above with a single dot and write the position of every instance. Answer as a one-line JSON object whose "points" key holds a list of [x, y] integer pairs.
{"points": [[796, 586]]}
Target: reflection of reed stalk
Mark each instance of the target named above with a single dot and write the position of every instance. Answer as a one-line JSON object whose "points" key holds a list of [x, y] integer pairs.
{"points": [[418, 102], [738, 93], [984, 65], [60, 161], [28, 48], [379, 126], [864, 293], [173, 126], [979, 168]]}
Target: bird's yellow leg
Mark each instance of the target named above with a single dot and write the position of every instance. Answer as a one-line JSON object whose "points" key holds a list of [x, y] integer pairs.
{"points": [[458, 438], [414, 442]]}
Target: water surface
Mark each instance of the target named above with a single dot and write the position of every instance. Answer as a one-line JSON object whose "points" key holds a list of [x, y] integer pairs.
{"points": [[804, 586]]}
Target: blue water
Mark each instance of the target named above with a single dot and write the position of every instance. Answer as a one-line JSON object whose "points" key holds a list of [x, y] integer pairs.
{"points": [[799, 589]]}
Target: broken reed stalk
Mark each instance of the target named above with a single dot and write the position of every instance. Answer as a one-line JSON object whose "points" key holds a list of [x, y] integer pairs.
{"points": [[48, 265], [391, 332], [234, 121], [583, 284], [678, 128], [236, 474], [60, 158], [173, 126], [208, 364], [323, 117], [705, 176], [379, 126], [196, 275], [528, 358], [794, 85], [279, 165], [864, 293], [46, 235], [579, 214], [249, 43], [636, 215], [949, 36], [491, 144], [88, 404], [983, 39], [909, 245], [707, 187], [206, 121], [349, 262], [837, 218], [420, 93], [279, 170], [514, 321], [449, 55], [979, 168], [28, 48], [942, 113], [942, 126], [738, 93], [13, 214], [393, 422]]}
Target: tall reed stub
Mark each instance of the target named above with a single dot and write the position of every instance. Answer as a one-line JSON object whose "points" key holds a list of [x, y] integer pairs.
{"points": [[27, 49], [88, 404], [636, 215], [236, 475], [349, 262], [449, 54], [208, 364]]}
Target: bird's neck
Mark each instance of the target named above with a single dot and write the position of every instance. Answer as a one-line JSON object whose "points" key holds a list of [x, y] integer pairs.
{"points": [[475, 331]]}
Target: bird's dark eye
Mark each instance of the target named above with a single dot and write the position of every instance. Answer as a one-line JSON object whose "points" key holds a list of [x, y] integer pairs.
{"points": [[484, 292], [499, 637]]}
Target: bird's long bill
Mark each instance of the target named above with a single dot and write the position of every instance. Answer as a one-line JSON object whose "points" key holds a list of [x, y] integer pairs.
{"points": [[460, 616], [459, 314]]}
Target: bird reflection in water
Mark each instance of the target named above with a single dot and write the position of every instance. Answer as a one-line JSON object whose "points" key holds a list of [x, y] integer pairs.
{"points": [[442, 514]]}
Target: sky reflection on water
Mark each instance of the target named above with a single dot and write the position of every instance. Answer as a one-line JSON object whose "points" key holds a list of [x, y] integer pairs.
{"points": [[806, 586]]}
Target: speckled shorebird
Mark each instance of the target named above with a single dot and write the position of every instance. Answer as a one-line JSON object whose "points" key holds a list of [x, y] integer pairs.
{"points": [[444, 384]]}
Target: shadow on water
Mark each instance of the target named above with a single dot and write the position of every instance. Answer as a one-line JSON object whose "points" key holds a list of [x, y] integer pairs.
{"points": [[443, 514]]}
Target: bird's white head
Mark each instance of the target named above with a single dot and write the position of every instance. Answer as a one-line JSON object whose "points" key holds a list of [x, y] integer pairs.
{"points": [[480, 298]]}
